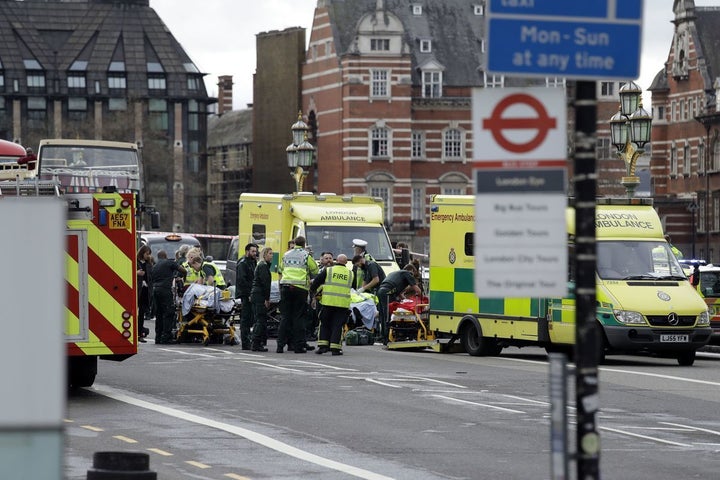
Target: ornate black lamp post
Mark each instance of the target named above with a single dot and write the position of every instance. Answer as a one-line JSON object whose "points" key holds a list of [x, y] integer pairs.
{"points": [[300, 153], [630, 131]]}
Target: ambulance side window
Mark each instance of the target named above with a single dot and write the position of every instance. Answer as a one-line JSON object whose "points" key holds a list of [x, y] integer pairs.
{"points": [[258, 234], [469, 246]]}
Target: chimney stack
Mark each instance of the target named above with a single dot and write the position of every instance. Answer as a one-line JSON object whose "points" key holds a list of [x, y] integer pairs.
{"points": [[225, 94]]}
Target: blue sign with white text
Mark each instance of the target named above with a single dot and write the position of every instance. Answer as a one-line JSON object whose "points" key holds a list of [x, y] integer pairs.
{"points": [[565, 38]]}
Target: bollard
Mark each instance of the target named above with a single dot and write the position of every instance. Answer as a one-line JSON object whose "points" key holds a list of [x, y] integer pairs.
{"points": [[121, 466]]}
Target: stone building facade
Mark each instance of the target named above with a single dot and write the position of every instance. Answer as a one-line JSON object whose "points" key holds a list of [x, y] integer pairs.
{"points": [[109, 69]]}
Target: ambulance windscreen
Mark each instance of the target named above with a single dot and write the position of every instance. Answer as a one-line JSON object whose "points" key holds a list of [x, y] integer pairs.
{"points": [[339, 239], [637, 260]]}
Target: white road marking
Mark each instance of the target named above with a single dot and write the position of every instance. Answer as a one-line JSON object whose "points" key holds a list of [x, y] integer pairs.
{"points": [[478, 404], [255, 437], [637, 435], [269, 365], [699, 429]]}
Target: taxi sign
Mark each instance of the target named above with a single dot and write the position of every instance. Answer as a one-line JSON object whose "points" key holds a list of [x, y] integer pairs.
{"points": [[120, 221]]}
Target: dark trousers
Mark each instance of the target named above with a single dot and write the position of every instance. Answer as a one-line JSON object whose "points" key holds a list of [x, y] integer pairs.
{"points": [[332, 320], [247, 319], [143, 309], [164, 314], [259, 331], [383, 300], [293, 302]]}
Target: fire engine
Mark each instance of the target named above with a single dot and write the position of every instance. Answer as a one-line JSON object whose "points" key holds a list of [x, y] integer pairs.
{"points": [[100, 278]]}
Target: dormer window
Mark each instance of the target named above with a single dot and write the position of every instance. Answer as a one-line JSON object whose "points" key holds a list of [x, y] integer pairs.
{"points": [[425, 45], [431, 84], [417, 9], [380, 44]]}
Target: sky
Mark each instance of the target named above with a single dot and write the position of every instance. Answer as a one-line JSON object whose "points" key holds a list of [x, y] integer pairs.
{"points": [[219, 36]]}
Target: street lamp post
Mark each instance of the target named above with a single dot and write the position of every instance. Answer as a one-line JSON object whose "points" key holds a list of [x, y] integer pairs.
{"points": [[630, 131], [300, 153]]}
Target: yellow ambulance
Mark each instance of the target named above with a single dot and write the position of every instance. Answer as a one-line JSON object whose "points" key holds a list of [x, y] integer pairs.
{"points": [[645, 303], [328, 222]]}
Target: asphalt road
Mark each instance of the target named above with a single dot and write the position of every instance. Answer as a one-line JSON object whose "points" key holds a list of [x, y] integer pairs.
{"points": [[219, 412]]}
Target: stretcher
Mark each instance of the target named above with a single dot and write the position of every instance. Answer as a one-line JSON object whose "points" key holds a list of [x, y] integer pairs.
{"points": [[206, 316]]}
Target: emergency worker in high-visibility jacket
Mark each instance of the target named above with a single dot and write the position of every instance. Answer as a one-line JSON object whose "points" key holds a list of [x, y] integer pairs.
{"points": [[294, 271], [336, 282]]}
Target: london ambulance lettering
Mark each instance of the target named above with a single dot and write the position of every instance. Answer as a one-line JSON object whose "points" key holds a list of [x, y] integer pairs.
{"points": [[342, 215], [617, 222], [107, 326]]}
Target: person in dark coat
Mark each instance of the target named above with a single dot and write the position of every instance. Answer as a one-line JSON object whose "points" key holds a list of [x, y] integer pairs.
{"points": [[143, 269], [395, 285], [163, 275], [260, 298], [244, 274]]}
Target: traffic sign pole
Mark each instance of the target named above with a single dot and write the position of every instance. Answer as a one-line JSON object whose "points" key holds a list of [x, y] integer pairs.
{"points": [[586, 342]]}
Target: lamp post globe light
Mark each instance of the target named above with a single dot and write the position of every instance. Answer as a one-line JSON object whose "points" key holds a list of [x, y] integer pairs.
{"points": [[300, 153], [630, 131]]}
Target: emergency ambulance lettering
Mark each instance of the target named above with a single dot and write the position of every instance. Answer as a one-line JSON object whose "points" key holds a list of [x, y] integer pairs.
{"points": [[464, 217], [436, 217]]}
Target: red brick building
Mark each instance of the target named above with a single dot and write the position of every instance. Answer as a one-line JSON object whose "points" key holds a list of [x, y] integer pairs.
{"points": [[387, 93], [685, 162]]}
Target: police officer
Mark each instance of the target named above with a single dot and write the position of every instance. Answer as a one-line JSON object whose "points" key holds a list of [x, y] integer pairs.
{"points": [[336, 282], [360, 248], [295, 270], [243, 286]]}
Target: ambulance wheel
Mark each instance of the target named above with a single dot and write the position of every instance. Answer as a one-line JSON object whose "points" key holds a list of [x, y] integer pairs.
{"points": [[600, 343], [475, 344], [686, 359]]}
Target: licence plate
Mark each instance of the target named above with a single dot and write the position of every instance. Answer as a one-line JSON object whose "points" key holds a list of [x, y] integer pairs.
{"points": [[674, 338], [120, 220]]}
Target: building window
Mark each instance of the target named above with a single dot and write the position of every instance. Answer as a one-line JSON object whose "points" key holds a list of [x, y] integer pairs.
{"points": [[379, 143], [602, 148], [417, 9], [701, 215], [36, 80], [607, 89], [453, 191], [432, 84], [37, 111], [384, 193], [417, 145], [380, 44], [417, 208], [660, 113], [425, 46], [494, 81], [193, 158], [193, 83], [716, 156], [193, 115], [479, 9], [156, 83], [686, 160], [701, 156], [77, 109], [2, 81], [158, 118], [76, 81], [452, 144], [117, 104], [117, 82], [673, 161], [328, 48], [379, 83]]}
